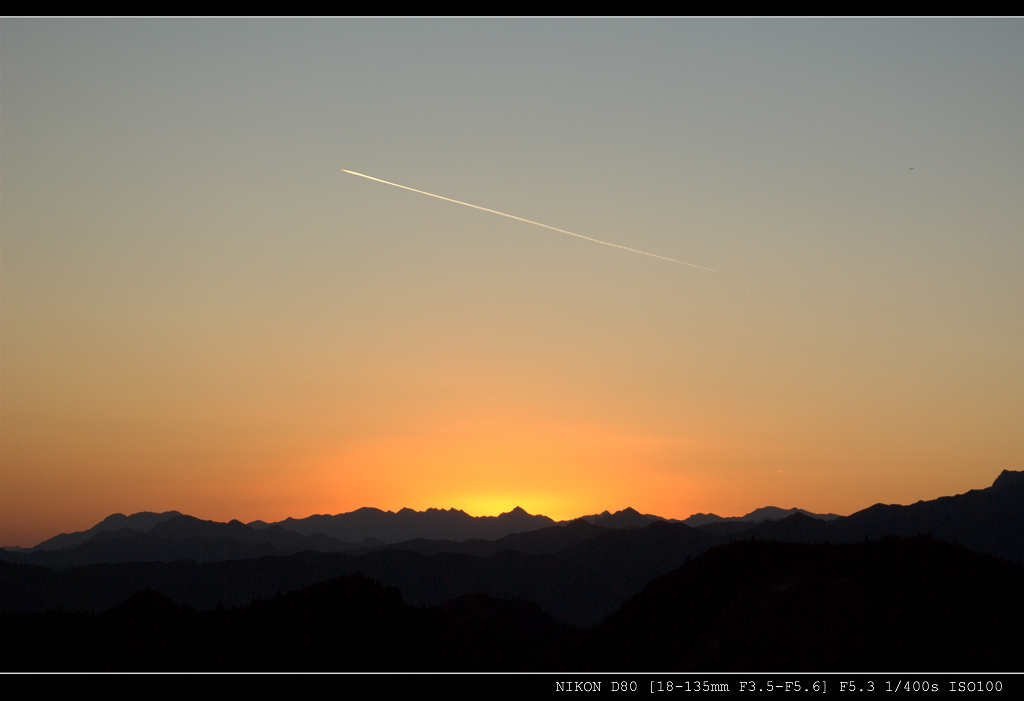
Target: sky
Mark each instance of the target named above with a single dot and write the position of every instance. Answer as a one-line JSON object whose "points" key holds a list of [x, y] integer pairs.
{"points": [[200, 311]]}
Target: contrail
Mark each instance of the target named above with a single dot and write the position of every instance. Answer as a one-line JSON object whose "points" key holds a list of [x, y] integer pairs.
{"points": [[535, 223]]}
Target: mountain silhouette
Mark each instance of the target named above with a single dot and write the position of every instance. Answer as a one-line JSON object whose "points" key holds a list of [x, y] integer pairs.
{"points": [[755, 606], [839, 583], [987, 520], [765, 513], [142, 522], [894, 604], [406, 524], [627, 518]]}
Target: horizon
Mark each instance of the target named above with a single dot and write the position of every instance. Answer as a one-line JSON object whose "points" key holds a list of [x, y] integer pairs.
{"points": [[396, 511], [389, 511], [685, 265], [557, 521]]}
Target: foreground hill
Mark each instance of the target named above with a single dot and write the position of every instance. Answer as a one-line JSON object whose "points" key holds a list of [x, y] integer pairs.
{"points": [[895, 604], [579, 584], [343, 624], [578, 572], [987, 520]]}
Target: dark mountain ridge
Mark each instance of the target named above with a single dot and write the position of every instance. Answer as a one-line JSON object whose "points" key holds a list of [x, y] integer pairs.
{"points": [[579, 584], [142, 522], [765, 513], [180, 537], [406, 524], [910, 604], [363, 529], [985, 520], [917, 605], [799, 593]]}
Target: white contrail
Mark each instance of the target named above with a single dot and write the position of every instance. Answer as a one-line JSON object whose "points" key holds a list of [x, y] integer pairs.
{"points": [[528, 221]]}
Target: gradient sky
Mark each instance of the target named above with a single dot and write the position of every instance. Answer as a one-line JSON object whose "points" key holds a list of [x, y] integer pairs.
{"points": [[201, 312]]}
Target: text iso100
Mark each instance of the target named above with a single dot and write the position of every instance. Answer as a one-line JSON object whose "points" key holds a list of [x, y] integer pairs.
{"points": [[979, 685]]}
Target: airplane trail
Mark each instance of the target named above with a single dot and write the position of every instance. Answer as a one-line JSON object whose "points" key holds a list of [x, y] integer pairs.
{"points": [[535, 223]]}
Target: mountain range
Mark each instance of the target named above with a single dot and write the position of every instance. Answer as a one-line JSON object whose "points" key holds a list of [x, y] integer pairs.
{"points": [[981, 519], [571, 576], [171, 535]]}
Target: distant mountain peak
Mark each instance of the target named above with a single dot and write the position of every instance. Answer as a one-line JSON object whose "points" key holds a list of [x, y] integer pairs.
{"points": [[765, 513], [625, 518], [702, 519], [148, 518], [1008, 477]]}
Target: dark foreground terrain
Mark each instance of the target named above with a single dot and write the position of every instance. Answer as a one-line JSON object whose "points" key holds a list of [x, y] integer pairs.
{"points": [[911, 604]]}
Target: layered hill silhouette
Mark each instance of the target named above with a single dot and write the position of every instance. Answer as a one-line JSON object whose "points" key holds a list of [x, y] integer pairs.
{"points": [[896, 604], [587, 583], [579, 584], [406, 524], [172, 536], [982, 519], [910, 604]]}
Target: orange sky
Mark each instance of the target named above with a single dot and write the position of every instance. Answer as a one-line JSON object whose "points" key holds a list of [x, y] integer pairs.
{"points": [[201, 312]]}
